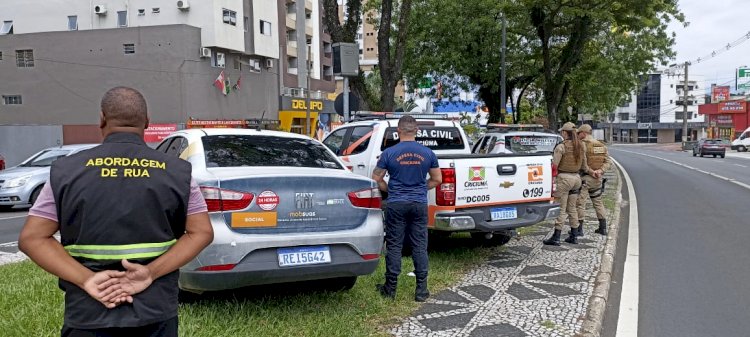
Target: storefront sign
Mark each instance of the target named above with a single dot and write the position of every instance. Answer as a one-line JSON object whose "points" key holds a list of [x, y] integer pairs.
{"points": [[299, 104], [724, 120], [719, 94], [215, 124], [157, 132], [733, 107]]}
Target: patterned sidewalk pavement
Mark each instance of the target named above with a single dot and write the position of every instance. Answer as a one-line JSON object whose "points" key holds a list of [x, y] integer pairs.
{"points": [[528, 289]]}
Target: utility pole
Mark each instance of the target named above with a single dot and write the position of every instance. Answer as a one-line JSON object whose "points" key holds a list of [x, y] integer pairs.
{"points": [[685, 106], [307, 96], [502, 76]]}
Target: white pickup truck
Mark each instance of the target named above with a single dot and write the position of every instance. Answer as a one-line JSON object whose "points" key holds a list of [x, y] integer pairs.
{"points": [[487, 195]]}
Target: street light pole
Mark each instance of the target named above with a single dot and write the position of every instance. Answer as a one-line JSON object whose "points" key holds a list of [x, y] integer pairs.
{"points": [[685, 106], [307, 96], [502, 74]]}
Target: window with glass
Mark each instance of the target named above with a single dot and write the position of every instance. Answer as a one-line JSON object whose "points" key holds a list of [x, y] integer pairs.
{"points": [[73, 22], [25, 58], [248, 151]]}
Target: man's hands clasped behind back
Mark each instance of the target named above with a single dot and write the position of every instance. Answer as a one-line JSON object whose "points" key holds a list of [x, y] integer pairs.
{"points": [[112, 288]]}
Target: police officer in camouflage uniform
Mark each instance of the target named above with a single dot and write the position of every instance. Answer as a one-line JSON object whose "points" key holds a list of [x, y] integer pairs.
{"points": [[570, 159], [593, 184]]}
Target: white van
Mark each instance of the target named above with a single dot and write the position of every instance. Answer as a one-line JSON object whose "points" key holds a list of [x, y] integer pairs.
{"points": [[742, 143]]}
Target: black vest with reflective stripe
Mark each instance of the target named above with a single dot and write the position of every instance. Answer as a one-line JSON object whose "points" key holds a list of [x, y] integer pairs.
{"points": [[120, 200]]}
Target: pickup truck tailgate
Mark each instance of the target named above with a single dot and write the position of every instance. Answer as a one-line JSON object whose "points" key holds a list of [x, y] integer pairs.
{"points": [[493, 180]]}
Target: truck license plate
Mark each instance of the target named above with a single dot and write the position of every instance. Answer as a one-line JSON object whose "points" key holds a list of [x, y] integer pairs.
{"points": [[504, 213], [300, 256]]}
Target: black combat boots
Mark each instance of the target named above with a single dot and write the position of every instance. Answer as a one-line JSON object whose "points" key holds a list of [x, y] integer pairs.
{"points": [[421, 294], [554, 240], [388, 290], [573, 237], [602, 227], [580, 228]]}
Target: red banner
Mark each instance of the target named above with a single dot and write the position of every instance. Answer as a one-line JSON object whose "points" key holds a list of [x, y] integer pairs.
{"points": [[157, 132], [733, 107], [719, 94]]}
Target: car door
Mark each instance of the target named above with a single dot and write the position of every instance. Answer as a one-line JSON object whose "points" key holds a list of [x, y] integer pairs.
{"points": [[355, 149]]}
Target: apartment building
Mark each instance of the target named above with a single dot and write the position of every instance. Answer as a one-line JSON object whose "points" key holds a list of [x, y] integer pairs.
{"points": [[653, 113], [59, 57]]}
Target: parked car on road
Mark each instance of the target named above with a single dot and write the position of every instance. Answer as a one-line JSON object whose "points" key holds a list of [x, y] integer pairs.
{"points": [[2, 162], [714, 147], [283, 209], [20, 185]]}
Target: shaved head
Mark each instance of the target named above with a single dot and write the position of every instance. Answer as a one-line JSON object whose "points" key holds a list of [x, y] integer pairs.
{"points": [[408, 125], [124, 107]]}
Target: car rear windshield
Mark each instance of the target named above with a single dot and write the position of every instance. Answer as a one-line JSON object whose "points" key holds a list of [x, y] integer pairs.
{"points": [[434, 137], [713, 141], [252, 150], [530, 144], [45, 158]]}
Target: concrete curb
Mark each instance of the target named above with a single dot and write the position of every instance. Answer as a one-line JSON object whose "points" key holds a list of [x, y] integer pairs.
{"points": [[592, 324]]}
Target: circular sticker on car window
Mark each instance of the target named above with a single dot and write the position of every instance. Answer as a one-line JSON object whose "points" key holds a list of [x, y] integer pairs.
{"points": [[268, 200]]}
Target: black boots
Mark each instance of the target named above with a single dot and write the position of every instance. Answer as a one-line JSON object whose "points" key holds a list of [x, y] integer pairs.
{"points": [[573, 237], [386, 291], [421, 294], [554, 240], [602, 227], [580, 228]]}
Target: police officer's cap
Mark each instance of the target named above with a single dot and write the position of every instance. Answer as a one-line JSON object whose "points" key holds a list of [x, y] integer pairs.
{"points": [[568, 127], [585, 128]]}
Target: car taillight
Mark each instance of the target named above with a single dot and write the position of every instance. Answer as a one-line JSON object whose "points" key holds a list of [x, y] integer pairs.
{"points": [[370, 256], [217, 267], [445, 193], [367, 198], [218, 199], [554, 177]]}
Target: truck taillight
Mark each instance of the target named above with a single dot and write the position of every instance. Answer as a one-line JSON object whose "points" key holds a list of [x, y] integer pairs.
{"points": [[218, 199], [367, 198], [445, 193]]}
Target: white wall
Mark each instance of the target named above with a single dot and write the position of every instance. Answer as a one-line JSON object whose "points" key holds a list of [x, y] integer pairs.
{"points": [[266, 10], [671, 90], [35, 16], [316, 41]]}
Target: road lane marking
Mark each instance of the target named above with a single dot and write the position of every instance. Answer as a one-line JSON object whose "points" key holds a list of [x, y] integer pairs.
{"points": [[738, 183], [740, 165], [627, 320], [14, 217]]}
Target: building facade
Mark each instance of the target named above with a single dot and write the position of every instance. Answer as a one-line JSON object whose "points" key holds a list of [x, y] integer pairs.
{"points": [[653, 114], [726, 119]]}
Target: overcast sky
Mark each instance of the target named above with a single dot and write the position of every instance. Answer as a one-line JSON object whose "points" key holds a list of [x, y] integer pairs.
{"points": [[713, 24]]}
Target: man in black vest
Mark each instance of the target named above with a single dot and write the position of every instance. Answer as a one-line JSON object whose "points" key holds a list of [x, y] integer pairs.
{"points": [[129, 217]]}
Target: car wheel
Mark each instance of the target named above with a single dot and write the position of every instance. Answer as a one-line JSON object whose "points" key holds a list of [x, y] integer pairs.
{"points": [[496, 240], [340, 283], [723, 155], [741, 148], [35, 195], [714, 156]]}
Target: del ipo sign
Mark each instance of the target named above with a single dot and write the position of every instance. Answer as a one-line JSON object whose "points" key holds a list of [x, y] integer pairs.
{"points": [[157, 132]]}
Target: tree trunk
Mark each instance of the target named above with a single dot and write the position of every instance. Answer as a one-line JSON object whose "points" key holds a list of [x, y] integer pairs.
{"points": [[491, 98], [391, 63]]}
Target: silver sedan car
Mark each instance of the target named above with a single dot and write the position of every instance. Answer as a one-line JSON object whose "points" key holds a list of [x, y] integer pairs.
{"points": [[20, 185], [283, 208]]}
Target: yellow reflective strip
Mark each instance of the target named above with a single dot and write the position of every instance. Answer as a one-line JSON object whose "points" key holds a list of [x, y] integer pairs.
{"points": [[117, 257], [122, 247]]}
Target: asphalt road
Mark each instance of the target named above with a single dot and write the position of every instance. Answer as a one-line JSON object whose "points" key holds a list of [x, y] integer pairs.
{"points": [[11, 224], [694, 243]]}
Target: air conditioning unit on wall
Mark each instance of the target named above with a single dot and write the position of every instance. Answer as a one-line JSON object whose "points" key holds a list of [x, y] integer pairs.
{"points": [[100, 10], [269, 63], [183, 5], [205, 52]]}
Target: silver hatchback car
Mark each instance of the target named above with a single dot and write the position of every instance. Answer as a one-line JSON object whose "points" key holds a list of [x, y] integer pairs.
{"points": [[283, 208], [20, 185]]}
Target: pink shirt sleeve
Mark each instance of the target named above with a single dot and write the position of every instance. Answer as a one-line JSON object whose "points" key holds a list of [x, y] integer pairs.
{"points": [[45, 206], [196, 203]]}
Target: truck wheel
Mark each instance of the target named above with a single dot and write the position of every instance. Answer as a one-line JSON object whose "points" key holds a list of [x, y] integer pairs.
{"points": [[741, 148], [496, 240]]}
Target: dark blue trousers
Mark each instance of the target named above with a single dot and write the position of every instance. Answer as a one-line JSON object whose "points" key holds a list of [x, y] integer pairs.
{"points": [[404, 218]]}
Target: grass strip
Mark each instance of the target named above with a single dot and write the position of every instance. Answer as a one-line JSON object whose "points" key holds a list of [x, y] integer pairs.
{"points": [[32, 305]]}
